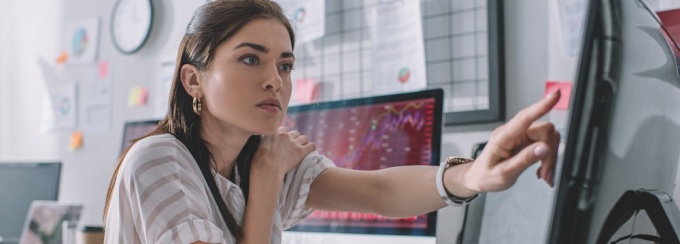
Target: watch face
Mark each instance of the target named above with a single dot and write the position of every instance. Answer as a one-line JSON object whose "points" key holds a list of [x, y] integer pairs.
{"points": [[131, 24]]}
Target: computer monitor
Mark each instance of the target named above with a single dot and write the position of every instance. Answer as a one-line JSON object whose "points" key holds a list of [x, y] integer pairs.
{"points": [[624, 122], [373, 133], [21, 184], [137, 129]]}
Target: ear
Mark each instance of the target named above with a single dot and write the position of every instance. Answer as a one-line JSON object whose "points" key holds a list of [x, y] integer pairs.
{"points": [[191, 80]]}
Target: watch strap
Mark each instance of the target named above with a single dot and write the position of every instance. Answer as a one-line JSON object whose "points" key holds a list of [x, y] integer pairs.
{"points": [[451, 200]]}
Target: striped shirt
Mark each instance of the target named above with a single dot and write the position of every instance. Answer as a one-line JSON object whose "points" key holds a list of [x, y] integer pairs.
{"points": [[160, 196]]}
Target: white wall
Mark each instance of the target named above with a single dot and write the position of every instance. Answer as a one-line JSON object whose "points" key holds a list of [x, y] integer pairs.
{"points": [[520, 214], [30, 29], [86, 172]]}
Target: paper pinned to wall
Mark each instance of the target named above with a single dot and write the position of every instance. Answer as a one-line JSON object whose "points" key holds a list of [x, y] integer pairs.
{"points": [[398, 49], [97, 99], [572, 18], [62, 110], [166, 72], [81, 38], [308, 18]]}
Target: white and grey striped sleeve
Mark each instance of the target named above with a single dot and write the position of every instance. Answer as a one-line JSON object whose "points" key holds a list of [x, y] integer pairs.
{"points": [[296, 188], [167, 196]]}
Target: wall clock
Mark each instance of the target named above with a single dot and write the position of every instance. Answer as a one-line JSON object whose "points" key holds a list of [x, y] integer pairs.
{"points": [[131, 24]]}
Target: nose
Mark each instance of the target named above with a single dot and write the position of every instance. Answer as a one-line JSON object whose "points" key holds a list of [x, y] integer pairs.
{"points": [[273, 81]]}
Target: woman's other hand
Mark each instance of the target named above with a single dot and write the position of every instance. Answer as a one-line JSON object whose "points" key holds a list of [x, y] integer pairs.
{"points": [[282, 151], [515, 146]]}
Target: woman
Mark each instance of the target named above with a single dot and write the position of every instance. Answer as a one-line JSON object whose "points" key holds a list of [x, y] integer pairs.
{"points": [[206, 175]]}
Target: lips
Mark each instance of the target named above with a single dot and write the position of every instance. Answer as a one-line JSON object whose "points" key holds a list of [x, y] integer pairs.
{"points": [[269, 103]]}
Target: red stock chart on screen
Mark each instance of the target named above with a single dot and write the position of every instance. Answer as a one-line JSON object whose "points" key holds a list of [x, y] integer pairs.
{"points": [[370, 137]]}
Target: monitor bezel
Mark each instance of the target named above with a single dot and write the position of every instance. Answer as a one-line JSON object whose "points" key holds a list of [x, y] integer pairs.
{"points": [[589, 121]]}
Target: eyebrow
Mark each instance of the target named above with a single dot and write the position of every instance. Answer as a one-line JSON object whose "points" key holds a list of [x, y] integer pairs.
{"points": [[263, 49]]}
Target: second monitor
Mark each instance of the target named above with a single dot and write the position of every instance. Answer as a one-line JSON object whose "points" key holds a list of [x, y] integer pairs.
{"points": [[373, 133]]}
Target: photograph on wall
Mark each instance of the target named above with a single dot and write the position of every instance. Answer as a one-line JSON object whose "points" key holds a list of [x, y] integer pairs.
{"points": [[81, 41]]}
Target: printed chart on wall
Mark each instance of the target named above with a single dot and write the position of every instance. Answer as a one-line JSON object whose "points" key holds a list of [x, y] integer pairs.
{"points": [[98, 98], [81, 40], [61, 112], [398, 52], [308, 18]]}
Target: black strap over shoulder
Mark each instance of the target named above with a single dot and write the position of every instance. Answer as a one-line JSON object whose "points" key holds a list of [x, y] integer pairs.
{"points": [[660, 208]]}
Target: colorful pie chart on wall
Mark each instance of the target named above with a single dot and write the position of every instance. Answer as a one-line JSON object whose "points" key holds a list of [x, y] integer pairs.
{"points": [[404, 75], [300, 15], [62, 106], [79, 42]]}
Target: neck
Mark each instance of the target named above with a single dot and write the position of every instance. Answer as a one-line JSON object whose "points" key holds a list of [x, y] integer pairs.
{"points": [[225, 144]]}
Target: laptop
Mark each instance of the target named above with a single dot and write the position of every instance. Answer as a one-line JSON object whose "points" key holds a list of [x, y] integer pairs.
{"points": [[21, 184], [50, 222]]}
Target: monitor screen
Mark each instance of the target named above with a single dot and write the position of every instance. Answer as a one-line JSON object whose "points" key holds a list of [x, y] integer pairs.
{"points": [[137, 129], [21, 184], [373, 133], [624, 123]]}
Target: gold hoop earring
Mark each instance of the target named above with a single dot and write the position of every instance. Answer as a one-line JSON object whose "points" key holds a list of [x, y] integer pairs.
{"points": [[197, 104]]}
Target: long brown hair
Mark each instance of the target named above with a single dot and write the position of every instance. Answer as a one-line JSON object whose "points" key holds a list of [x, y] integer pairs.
{"points": [[212, 24]]}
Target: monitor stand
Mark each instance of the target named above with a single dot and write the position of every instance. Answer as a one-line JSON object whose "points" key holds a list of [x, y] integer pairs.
{"points": [[659, 206]]}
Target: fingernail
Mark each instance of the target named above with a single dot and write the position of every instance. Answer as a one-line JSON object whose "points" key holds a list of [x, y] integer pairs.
{"points": [[552, 94], [540, 151], [538, 173], [551, 177]]}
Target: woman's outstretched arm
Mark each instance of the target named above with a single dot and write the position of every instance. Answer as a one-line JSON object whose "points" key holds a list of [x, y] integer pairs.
{"points": [[411, 190]]}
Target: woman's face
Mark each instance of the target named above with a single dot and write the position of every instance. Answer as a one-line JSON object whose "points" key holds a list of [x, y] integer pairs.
{"points": [[248, 84]]}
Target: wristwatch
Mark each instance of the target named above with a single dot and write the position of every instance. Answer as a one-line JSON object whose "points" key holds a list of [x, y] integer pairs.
{"points": [[450, 199]]}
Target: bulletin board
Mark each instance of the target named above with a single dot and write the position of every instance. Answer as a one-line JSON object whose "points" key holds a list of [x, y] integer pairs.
{"points": [[463, 53]]}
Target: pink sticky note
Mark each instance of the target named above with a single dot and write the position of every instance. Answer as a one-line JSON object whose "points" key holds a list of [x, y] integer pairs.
{"points": [[565, 92], [103, 69], [306, 90]]}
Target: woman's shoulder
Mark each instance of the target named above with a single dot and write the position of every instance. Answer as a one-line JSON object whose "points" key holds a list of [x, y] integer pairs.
{"points": [[161, 152], [166, 140]]}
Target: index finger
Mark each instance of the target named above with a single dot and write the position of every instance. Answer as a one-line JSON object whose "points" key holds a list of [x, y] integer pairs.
{"points": [[525, 117]]}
